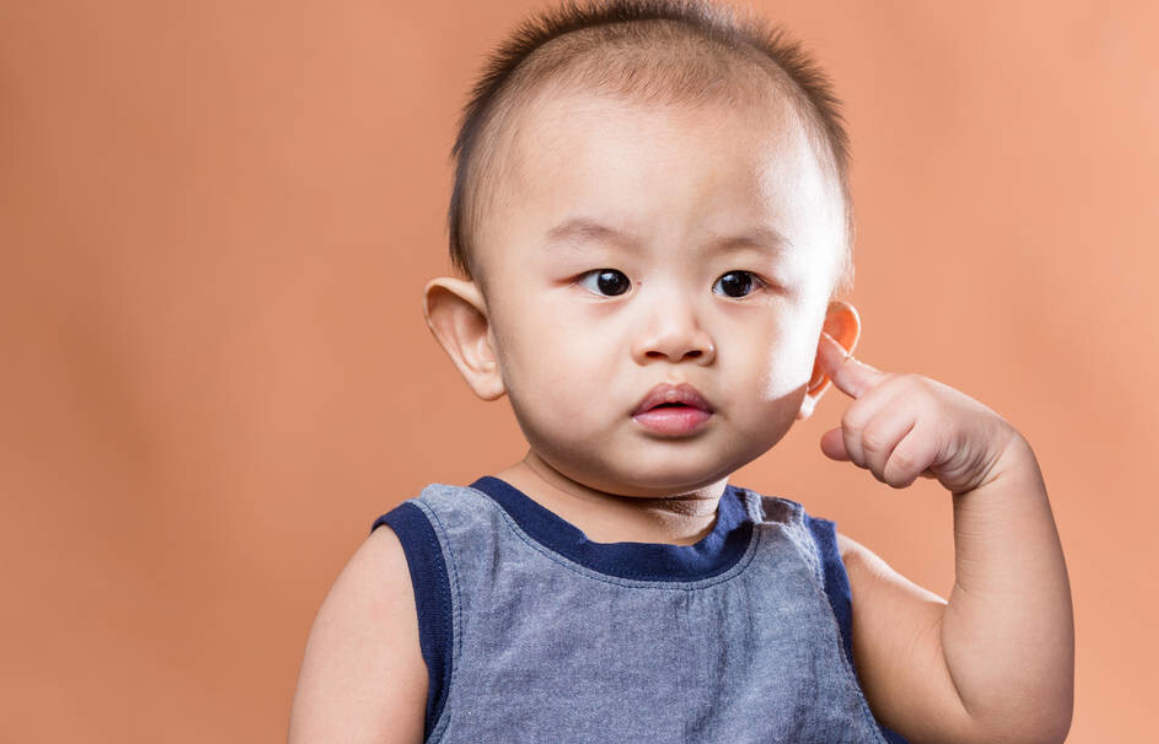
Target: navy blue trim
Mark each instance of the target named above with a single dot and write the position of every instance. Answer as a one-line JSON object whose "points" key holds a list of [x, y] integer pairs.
{"points": [[839, 594], [432, 591], [716, 553], [836, 581]]}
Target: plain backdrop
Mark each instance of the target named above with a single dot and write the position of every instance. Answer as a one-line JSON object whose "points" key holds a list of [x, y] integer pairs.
{"points": [[216, 219]]}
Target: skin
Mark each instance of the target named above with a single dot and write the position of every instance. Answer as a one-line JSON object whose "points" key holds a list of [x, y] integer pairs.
{"points": [[994, 662], [673, 184]]}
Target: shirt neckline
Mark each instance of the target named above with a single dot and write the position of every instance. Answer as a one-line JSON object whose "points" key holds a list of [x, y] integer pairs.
{"points": [[714, 554]]}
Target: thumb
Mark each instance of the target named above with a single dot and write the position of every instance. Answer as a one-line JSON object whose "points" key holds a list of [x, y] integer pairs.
{"points": [[833, 445]]}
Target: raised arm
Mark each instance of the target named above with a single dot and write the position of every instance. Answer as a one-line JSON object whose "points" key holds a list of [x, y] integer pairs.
{"points": [[995, 662], [363, 678]]}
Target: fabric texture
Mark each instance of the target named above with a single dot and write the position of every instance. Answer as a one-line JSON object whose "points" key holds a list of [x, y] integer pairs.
{"points": [[531, 632]]}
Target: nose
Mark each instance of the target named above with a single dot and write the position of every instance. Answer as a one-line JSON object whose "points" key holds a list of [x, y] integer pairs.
{"points": [[672, 331]]}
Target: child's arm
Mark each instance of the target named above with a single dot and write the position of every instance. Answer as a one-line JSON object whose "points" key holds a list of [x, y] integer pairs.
{"points": [[995, 663], [363, 677]]}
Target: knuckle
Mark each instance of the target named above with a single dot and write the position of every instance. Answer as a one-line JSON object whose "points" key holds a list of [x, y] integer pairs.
{"points": [[912, 381], [853, 449], [875, 440], [851, 419], [914, 378], [903, 461]]}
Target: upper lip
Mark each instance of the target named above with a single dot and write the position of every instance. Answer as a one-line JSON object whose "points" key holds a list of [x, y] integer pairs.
{"points": [[668, 393]]}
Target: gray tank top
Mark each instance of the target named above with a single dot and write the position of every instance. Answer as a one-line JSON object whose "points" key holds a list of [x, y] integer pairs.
{"points": [[533, 633]]}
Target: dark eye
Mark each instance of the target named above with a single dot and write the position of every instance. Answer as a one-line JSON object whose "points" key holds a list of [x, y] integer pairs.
{"points": [[736, 284], [608, 282]]}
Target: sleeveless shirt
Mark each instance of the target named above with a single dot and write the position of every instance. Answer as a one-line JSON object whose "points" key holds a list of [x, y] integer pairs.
{"points": [[531, 632]]}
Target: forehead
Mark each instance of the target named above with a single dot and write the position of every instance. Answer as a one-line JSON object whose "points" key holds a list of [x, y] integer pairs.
{"points": [[590, 130], [666, 171]]}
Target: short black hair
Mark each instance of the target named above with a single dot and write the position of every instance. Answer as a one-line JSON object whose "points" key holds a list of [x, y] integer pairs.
{"points": [[612, 46]]}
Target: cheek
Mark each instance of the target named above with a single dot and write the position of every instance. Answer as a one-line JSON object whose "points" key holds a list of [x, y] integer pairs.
{"points": [[550, 373], [784, 367], [553, 335], [775, 381]]}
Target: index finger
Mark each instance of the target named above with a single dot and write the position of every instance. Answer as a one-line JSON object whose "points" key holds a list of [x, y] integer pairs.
{"points": [[850, 376]]}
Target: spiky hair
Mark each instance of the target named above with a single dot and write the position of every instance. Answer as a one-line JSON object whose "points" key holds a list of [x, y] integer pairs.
{"points": [[673, 51]]}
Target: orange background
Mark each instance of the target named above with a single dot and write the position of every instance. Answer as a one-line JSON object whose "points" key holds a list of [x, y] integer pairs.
{"points": [[216, 219]]}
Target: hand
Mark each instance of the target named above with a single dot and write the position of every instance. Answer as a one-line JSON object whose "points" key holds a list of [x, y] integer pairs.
{"points": [[902, 426]]}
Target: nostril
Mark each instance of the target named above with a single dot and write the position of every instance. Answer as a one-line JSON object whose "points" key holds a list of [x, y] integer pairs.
{"points": [[693, 354]]}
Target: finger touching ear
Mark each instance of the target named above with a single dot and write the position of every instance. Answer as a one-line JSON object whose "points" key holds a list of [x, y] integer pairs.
{"points": [[844, 324], [457, 316]]}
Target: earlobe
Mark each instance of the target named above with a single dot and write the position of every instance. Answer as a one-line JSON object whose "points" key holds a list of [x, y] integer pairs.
{"points": [[844, 324], [457, 315]]}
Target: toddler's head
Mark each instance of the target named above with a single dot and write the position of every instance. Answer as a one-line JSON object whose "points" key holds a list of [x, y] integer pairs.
{"points": [[652, 213]]}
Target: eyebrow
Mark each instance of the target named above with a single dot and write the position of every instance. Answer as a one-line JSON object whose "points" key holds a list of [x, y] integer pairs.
{"points": [[582, 229]]}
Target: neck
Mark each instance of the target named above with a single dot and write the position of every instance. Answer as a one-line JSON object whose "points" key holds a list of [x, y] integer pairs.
{"points": [[677, 519]]}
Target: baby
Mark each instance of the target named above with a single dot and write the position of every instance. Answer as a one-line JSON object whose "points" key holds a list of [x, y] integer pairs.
{"points": [[652, 218]]}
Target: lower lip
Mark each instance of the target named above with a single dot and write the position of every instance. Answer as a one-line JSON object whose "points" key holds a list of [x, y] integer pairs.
{"points": [[673, 421]]}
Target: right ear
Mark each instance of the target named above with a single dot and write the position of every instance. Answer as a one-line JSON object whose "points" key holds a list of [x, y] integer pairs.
{"points": [[457, 316]]}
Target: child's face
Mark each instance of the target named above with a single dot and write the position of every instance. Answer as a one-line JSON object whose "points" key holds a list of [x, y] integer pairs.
{"points": [[681, 189]]}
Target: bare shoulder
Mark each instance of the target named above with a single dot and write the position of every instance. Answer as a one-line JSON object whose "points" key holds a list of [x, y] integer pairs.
{"points": [[898, 650], [363, 677]]}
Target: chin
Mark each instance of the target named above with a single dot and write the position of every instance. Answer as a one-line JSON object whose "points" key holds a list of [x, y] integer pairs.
{"points": [[661, 481], [655, 470]]}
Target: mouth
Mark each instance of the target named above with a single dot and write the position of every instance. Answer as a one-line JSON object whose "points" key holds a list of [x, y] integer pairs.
{"points": [[673, 410], [665, 395]]}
